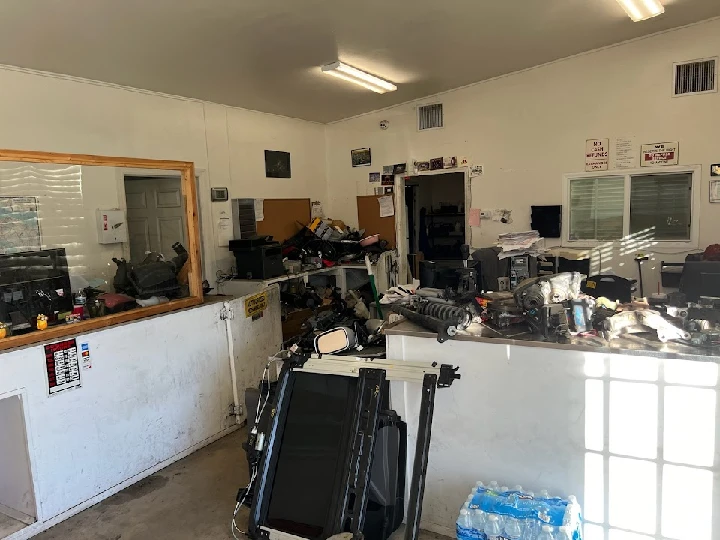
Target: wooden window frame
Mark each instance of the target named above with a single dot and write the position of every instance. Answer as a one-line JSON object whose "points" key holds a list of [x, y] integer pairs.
{"points": [[189, 192]]}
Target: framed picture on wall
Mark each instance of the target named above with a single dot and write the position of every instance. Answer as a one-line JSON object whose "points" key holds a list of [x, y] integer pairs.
{"points": [[277, 164], [361, 157], [715, 191]]}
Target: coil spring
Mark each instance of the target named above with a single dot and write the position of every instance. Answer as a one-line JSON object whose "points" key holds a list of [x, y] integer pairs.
{"points": [[445, 312]]}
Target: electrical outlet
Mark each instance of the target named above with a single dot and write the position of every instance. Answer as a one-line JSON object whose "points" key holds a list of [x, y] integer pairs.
{"points": [[486, 214]]}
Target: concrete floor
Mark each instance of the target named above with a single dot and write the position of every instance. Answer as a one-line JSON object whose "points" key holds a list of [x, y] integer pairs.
{"points": [[9, 525], [191, 499]]}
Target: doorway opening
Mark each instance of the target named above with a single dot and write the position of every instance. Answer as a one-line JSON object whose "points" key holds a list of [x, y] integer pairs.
{"points": [[17, 496], [435, 220], [155, 215]]}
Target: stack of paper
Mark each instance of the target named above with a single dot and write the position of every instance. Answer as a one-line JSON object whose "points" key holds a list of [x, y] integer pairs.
{"points": [[521, 243]]}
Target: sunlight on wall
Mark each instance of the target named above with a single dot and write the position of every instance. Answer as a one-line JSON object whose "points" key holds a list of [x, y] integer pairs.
{"points": [[650, 448]]}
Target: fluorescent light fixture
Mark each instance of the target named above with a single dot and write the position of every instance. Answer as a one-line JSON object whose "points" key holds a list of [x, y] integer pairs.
{"points": [[354, 75], [640, 10]]}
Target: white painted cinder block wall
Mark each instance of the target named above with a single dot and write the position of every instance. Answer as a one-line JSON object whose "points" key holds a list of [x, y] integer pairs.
{"points": [[56, 114], [529, 129]]}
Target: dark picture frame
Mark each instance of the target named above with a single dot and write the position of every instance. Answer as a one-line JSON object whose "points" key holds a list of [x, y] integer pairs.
{"points": [[277, 164]]}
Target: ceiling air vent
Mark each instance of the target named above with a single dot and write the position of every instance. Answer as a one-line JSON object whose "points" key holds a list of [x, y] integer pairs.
{"points": [[696, 77], [430, 116]]}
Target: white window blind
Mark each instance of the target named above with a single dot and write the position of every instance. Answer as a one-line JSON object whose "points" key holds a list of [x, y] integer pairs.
{"points": [[596, 208], [661, 205]]}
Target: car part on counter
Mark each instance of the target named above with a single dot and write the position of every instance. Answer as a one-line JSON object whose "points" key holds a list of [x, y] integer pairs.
{"points": [[550, 320], [536, 292], [612, 287], [444, 329], [446, 311], [639, 321]]}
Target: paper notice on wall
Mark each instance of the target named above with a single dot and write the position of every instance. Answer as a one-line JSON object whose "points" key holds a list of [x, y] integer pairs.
{"points": [[477, 170], [259, 209], [665, 153], [316, 210], [85, 351], [62, 366], [597, 154], [625, 153], [387, 208], [474, 217], [224, 231]]}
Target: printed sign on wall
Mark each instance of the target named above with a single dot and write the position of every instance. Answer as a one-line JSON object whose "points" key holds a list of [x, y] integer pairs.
{"points": [[62, 365], [597, 154], [666, 153], [255, 305]]}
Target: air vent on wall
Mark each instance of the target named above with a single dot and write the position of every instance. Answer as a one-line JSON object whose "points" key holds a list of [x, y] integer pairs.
{"points": [[430, 116], [696, 77]]}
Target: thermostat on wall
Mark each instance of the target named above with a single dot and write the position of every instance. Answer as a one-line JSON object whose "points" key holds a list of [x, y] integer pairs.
{"points": [[218, 194]]}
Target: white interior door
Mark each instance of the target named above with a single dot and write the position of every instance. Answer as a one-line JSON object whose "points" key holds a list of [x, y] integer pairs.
{"points": [[156, 217]]}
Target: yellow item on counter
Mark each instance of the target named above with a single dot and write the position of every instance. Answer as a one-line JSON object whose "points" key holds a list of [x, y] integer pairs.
{"points": [[606, 303]]}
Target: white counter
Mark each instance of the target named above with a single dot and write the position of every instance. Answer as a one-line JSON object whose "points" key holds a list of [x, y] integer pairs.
{"points": [[159, 389], [565, 421]]}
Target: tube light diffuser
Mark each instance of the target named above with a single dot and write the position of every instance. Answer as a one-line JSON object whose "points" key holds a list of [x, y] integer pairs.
{"points": [[359, 77], [640, 10]]}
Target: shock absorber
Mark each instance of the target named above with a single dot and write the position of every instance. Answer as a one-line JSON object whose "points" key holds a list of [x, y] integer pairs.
{"points": [[457, 316]]}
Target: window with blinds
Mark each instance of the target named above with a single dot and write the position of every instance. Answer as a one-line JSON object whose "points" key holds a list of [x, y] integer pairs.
{"points": [[596, 208], [661, 204]]}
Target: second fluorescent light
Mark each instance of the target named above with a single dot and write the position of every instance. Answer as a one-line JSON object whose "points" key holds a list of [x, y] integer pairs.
{"points": [[359, 77], [640, 10]]}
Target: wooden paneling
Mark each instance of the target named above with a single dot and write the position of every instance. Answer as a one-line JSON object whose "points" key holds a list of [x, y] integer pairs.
{"points": [[284, 217], [370, 220]]}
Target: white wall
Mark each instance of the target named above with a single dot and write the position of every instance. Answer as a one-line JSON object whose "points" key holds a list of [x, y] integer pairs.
{"points": [[157, 388], [529, 129], [531, 416], [40, 112]]}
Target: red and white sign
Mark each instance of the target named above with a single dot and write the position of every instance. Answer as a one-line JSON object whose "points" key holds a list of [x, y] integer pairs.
{"points": [[666, 153], [62, 366], [597, 154]]}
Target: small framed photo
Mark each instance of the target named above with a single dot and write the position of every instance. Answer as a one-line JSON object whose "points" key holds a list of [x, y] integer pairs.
{"points": [[715, 169], [361, 157], [715, 191]]}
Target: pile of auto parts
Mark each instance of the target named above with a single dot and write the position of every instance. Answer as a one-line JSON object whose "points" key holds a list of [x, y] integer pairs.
{"points": [[319, 463]]}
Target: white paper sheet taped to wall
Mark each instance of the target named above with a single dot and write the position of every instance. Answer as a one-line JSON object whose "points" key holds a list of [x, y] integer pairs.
{"points": [[259, 209], [387, 208], [316, 210]]}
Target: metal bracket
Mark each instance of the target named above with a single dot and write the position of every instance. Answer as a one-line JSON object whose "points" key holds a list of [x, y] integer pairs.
{"points": [[227, 314]]}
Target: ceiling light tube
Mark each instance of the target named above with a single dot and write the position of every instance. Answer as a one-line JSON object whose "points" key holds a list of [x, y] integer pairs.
{"points": [[354, 75], [640, 10]]}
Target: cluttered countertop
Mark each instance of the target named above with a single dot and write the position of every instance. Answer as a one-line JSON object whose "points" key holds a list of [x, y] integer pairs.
{"points": [[631, 344], [567, 310]]}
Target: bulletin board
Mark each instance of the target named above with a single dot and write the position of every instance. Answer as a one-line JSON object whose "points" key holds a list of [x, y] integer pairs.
{"points": [[370, 220], [283, 218]]}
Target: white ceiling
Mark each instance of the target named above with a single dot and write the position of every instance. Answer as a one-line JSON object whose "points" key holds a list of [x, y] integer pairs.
{"points": [[265, 54]]}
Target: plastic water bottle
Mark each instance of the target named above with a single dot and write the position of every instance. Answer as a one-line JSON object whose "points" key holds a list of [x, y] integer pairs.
{"points": [[546, 533], [512, 529], [530, 529], [518, 488], [565, 533], [479, 485], [464, 523], [493, 486], [492, 527], [544, 494], [479, 520]]}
